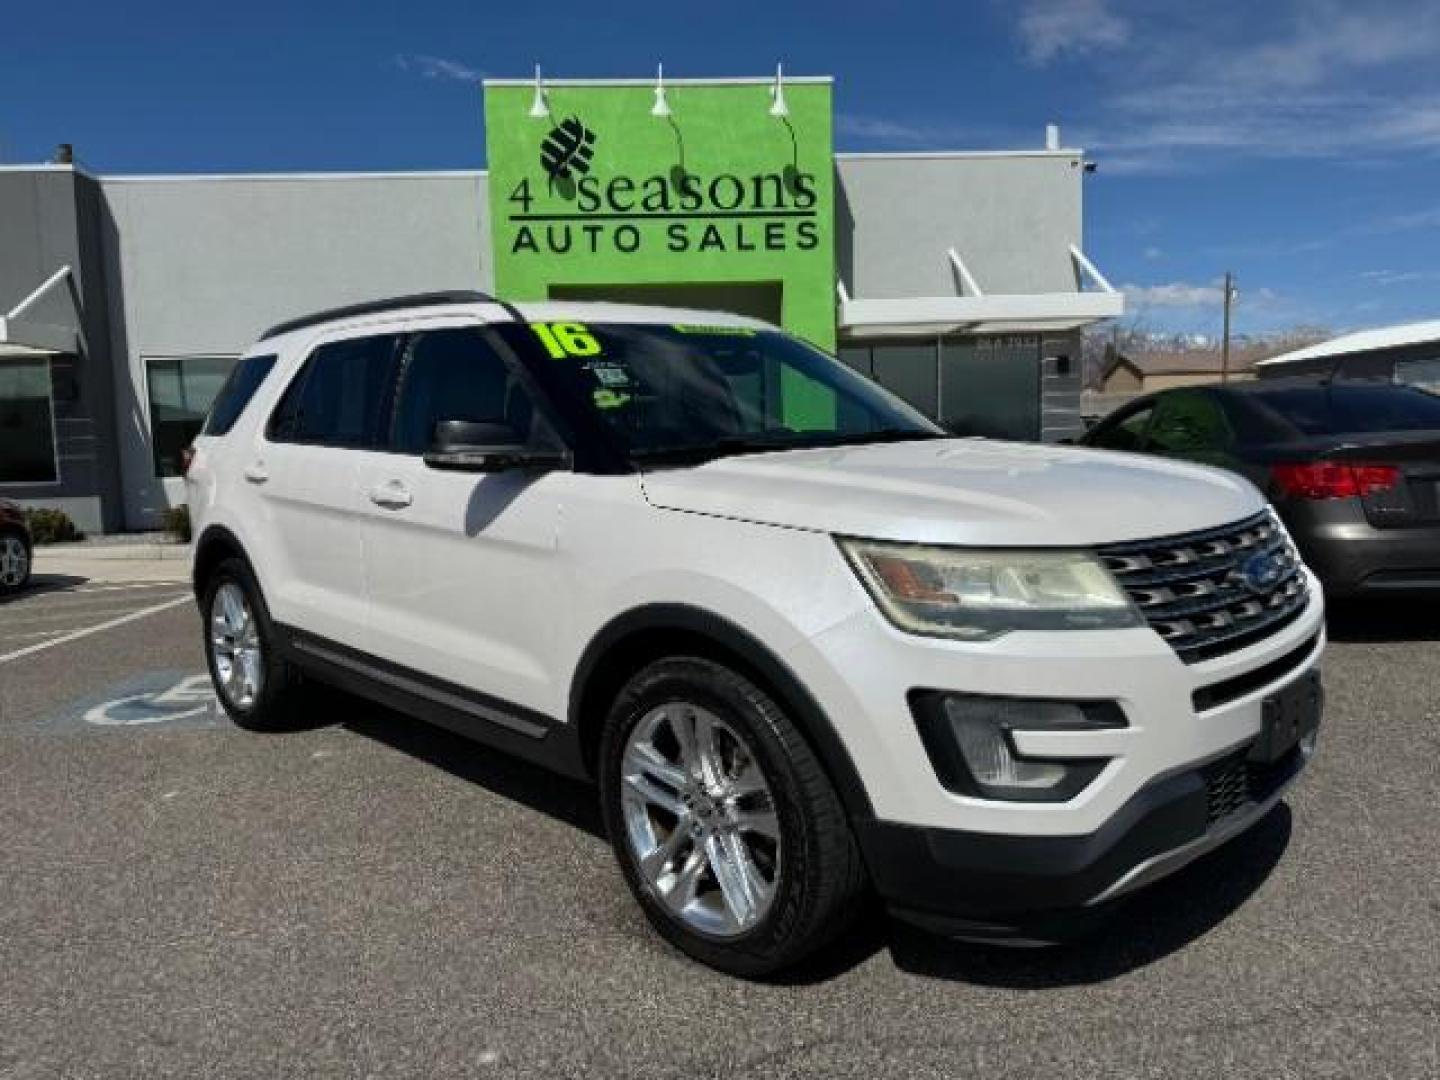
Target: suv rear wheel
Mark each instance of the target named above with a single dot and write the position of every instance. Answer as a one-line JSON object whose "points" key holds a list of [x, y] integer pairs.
{"points": [[252, 680], [15, 561], [726, 827]]}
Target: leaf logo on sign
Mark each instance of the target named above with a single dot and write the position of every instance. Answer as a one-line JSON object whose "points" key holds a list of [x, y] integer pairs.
{"points": [[567, 150]]}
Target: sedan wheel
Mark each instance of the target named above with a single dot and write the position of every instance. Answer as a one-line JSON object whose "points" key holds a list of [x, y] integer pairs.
{"points": [[14, 562]]}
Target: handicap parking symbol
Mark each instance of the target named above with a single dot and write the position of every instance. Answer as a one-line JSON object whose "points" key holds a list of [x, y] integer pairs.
{"points": [[153, 701], [192, 698]]}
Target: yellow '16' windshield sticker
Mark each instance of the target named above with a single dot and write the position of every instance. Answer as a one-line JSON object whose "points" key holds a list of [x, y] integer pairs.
{"points": [[566, 339]]}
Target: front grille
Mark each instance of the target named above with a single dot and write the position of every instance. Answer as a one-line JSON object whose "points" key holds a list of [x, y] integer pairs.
{"points": [[1194, 593], [1234, 783]]}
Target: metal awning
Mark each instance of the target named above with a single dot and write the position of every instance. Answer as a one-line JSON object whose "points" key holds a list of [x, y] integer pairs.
{"points": [[975, 311], [24, 336]]}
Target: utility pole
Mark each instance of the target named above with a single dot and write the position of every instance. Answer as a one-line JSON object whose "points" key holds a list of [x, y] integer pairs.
{"points": [[1225, 338]]}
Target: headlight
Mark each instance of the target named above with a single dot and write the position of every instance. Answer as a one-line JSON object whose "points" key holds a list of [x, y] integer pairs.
{"points": [[978, 594]]}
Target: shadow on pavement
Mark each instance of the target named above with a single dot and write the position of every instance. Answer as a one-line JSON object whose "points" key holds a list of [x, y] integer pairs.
{"points": [[1153, 924], [43, 583], [1158, 921], [1377, 621], [567, 800]]}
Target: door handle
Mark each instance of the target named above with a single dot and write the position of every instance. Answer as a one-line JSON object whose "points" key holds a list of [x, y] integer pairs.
{"points": [[393, 495], [256, 473]]}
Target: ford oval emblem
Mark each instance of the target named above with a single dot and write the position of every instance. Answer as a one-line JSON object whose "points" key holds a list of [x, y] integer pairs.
{"points": [[1260, 572]]}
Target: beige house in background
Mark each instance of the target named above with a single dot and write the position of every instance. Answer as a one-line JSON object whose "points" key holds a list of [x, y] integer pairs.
{"points": [[1144, 373]]}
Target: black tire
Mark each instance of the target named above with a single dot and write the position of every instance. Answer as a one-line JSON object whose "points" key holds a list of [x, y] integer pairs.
{"points": [[274, 708], [821, 885], [16, 586]]}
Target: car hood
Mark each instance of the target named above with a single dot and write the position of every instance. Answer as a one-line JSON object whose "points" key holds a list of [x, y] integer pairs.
{"points": [[961, 491]]}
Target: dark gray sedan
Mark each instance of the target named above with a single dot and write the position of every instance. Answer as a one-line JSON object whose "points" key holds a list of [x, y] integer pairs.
{"points": [[1352, 468]]}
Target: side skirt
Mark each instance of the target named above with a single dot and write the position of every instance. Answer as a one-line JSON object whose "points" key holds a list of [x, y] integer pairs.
{"points": [[488, 720]]}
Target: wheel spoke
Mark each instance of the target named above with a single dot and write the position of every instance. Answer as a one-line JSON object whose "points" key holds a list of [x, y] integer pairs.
{"points": [[654, 764], [679, 889], [707, 745], [643, 787], [249, 672], [682, 723], [654, 862], [741, 885]]}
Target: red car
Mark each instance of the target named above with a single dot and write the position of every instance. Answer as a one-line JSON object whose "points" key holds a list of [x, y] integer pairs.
{"points": [[15, 549]]}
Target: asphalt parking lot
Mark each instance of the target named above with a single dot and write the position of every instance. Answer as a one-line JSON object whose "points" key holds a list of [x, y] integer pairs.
{"points": [[373, 897]]}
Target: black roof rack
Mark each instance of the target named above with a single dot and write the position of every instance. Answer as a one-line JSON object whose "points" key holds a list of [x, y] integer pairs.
{"points": [[374, 307]]}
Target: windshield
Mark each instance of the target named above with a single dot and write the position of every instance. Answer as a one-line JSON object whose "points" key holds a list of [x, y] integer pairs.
{"points": [[1341, 410], [694, 391]]}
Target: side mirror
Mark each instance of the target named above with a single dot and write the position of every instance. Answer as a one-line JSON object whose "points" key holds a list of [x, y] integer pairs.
{"points": [[485, 447]]}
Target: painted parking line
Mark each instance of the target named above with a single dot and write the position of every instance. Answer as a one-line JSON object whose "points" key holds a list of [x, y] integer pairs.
{"points": [[101, 609], [99, 628]]}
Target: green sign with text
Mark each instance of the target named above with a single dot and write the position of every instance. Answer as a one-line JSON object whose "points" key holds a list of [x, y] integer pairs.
{"points": [[720, 199]]}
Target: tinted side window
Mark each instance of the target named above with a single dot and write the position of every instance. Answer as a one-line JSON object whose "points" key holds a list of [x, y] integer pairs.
{"points": [[341, 397], [245, 378], [456, 375], [1188, 424], [1127, 433]]}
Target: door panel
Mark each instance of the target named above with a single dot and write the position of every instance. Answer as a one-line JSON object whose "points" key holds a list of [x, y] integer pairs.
{"points": [[304, 470], [312, 573], [461, 568]]}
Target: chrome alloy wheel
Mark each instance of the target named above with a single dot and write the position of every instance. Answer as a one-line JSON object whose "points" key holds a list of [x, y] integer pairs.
{"points": [[14, 561], [700, 819], [235, 646]]}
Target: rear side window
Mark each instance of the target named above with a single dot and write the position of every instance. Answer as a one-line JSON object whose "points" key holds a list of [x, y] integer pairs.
{"points": [[245, 378], [1342, 409], [1187, 423], [341, 397]]}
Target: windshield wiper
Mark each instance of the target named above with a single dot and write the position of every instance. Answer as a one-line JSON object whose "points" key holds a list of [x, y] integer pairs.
{"points": [[727, 446]]}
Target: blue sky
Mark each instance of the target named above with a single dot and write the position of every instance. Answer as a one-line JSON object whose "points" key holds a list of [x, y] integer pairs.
{"points": [[1296, 143]]}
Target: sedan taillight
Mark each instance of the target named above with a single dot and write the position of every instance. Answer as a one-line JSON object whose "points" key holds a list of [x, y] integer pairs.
{"points": [[1334, 479]]}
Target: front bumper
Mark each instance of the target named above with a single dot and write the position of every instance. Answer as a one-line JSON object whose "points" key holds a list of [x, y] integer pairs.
{"points": [[981, 885]]}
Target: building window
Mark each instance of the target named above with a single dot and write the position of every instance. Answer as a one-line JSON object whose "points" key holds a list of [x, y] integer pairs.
{"points": [[27, 423], [182, 389]]}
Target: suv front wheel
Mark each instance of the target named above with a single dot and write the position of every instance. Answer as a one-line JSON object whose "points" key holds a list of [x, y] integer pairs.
{"points": [[726, 827]]}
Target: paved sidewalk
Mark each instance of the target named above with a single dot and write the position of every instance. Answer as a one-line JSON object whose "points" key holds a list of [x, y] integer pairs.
{"points": [[114, 562]]}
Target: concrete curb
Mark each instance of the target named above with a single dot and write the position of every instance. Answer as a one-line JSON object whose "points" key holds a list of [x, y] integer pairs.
{"points": [[118, 552]]}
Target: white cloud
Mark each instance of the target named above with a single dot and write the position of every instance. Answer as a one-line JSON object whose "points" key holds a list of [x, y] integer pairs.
{"points": [[1407, 222], [1301, 79], [1176, 294], [1152, 253], [878, 129], [1053, 28], [437, 67], [1384, 278]]}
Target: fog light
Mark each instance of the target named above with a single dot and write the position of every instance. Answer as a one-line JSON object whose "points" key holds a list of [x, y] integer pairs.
{"points": [[982, 727], [971, 746]]}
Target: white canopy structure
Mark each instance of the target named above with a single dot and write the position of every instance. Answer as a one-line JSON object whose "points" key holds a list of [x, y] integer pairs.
{"points": [[22, 336], [975, 311]]}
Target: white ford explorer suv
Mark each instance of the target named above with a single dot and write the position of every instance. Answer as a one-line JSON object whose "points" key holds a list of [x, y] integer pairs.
{"points": [[810, 647]]}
